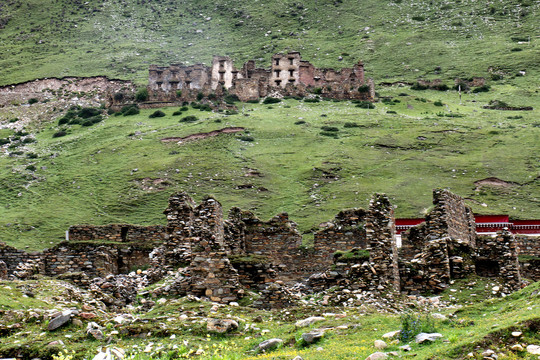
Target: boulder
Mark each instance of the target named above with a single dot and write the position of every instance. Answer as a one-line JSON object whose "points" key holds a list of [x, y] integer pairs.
{"points": [[310, 320], [221, 326], [516, 347], [379, 345], [377, 356], [269, 344], [312, 336], [391, 334], [533, 349], [59, 320], [438, 316], [429, 337]]}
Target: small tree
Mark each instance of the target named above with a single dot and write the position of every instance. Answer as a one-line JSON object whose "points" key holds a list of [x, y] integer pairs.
{"points": [[142, 95]]}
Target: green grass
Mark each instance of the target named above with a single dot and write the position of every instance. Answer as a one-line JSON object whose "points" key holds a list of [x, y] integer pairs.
{"points": [[475, 327], [104, 173], [120, 38]]}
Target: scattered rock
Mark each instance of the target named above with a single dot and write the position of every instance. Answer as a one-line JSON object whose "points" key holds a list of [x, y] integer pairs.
{"points": [[516, 347], [405, 348], [312, 336], [59, 320], [391, 334], [488, 353], [423, 337], [517, 333], [269, 344], [310, 320], [221, 326], [377, 356], [438, 316], [533, 349], [379, 345]]}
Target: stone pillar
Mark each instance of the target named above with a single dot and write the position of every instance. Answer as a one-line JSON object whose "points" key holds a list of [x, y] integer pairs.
{"points": [[3, 271], [212, 274], [381, 238]]}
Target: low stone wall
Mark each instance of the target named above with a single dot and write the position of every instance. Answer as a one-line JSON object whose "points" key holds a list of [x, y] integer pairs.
{"points": [[498, 256], [528, 245], [117, 233]]}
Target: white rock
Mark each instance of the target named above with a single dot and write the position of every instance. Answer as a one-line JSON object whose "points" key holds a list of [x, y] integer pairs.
{"points": [[423, 337], [438, 316], [533, 349], [391, 334], [377, 356], [310, 320], [516, 347], [488, 353], [379, 345], [516, 333]]}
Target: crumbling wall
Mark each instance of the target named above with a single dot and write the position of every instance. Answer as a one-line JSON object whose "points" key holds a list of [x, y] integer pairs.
{"points": [[117, 233], [528, 245], [498, 257]]}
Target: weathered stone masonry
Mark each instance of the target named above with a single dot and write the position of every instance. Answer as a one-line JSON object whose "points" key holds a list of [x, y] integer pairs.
{"points": [[288, 75], [218, 257]]}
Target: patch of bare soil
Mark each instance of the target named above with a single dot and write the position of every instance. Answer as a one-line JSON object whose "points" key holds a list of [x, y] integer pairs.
{"points": [[493, 182], [200, 136]]}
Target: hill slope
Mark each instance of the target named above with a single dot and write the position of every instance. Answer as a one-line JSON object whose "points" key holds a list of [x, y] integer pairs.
{"points": [[400, 39]]}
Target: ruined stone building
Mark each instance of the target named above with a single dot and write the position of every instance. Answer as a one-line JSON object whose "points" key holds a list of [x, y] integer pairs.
{"points": [[218, 257], [288, 75]]}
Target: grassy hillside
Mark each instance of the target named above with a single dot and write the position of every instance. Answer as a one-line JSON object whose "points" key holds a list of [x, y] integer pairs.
{"points": [[312, 160], [401, 39]]}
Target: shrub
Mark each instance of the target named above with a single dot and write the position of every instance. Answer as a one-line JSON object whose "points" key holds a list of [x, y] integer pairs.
{"points": [[59, 134], [189, 118], [313, 100], [96, 119], [350, 125], [29, 140], [31, 168], [271, 100], [363, 88], [141, 95], [119, 96], [176, 113], [419, 18], [184, 108], [441, 87], [299, 122], [252, 101], [391, 112], [483, 88], [231, 99], [31, 156], [4, 141], [412, 325], [32, 101], [365, 105], [419, 86], [200, 96], [86, 113], [157, 113], [87, 122], [14, 120], [205, 107], [75, 121], [329, 134], [438, 103], [178, 93], [516, 49], [246, 138], [464, 86], [329, 128], [130, 110], [63, 120], [231, 112], [496, 77], [317, 91], [212, 96], [195, 105]]}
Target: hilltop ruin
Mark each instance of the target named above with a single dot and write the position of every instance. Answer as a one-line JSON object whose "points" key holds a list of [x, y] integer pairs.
{"points": [[219, 258], [288, 75]]}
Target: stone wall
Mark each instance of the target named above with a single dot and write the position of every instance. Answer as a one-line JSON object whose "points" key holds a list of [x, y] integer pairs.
{"points": [[528, 245], [117, 233]]}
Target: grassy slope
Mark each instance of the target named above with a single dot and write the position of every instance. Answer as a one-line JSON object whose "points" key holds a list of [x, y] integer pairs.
{"points": [[121, 37], [87, 176]]}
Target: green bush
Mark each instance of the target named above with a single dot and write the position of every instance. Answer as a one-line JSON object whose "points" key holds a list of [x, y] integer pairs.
{"points": [[29, 140], [438, 103], [178, 93], [329, 134], [189, 118], [350, 125], [231, 99], [412, 325], [130, 110], [4, 141], [419, 18], [483, 88], [317, 91], [141, 95], [363, 88], [329, 128], [313, 100], [156, 114], [299, 122], [86, 113], [184, 108], [200, 96], [252, 101], [231, 112], [31, 168], [32, 156], [271, 100], [119, 96], [32, 101], [365, 105], [441, 87], [205, 107], [96, 119], [63, 120], [419, 86], [391, 112], [212, 97], [87, 123], [246, 138], [176, 113], [59, 134]]}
